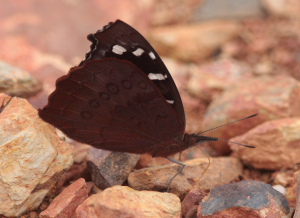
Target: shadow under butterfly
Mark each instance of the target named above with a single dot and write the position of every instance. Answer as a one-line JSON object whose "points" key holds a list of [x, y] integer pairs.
{"points": [[121, 98]]}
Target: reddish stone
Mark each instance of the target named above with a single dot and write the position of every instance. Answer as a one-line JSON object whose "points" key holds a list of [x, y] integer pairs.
{"points": [[191, 202], [272, 97], [277, 145], [221, 171], [65, 204]]}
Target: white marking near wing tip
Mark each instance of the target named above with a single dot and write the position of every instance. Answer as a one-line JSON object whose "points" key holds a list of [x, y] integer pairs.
{"points": [[152, 56], [166, 76], [170, 101], [117, 49], [156, 76], [138, 52]]}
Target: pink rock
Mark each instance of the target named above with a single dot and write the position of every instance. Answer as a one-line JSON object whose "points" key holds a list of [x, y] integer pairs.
{"points": [[65, 204], [272, 97], [209, 80], [277, 145], [221, 171], [191, 202], [280, 8], [122, 201], [193, 42]]}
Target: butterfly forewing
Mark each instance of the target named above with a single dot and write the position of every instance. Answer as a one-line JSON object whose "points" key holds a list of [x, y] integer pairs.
{"points": [[121, 41], [111, 104]]}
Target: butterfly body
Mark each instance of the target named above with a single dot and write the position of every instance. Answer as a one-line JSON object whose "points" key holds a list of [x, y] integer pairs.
{"points": [[121, 98]]}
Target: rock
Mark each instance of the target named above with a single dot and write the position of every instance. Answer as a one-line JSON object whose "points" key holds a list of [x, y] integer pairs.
{"points": [[65, 204], [211, 79], [251, 199], [280, 189], [17, 82], [110, 168], [228, 9], [277, 145], [281, 8], [191, 202], [193, 42], [293, 190], [166, 12], [122, 201], [33, 158], [80, 152], [272, 97], [221, 171]]}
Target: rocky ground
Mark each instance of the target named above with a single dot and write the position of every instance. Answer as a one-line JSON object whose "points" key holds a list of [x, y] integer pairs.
{"points": [[229, 60]]}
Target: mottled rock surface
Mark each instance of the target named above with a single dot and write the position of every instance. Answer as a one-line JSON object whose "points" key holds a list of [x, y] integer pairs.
{"points": [[193, 42], [65, 204], [122, 201], [33, 158], [17, 82], [110, 168], [272, 97], [252, 199], [221, 171], [277, 145], [211, 79]]}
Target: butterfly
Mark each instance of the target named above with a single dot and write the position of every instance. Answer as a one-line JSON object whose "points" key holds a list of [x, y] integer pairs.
{"points": [[121, 98]]}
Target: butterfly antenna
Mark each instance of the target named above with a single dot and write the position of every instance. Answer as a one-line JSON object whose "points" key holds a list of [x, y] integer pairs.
{"points": [[227, 124], [224, 140]]}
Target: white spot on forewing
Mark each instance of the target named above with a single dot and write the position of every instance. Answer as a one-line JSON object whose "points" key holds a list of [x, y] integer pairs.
{"points": [[156, 76], [170, 101], [166, 76], [138, 52], [117, 49], [152, 56]]}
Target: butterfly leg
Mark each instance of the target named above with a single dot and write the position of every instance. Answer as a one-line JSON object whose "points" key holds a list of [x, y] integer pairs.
{"points": [[182, 165]]}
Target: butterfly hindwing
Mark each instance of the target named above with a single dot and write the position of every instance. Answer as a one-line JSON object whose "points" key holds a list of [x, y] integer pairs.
{"points": [[111, 104]]}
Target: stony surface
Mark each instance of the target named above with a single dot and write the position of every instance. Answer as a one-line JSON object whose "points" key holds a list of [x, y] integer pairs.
{"points": [[166, 12], [211, 79], [280, 8], [33, 158], [221, 171], [17, 82], [122, 201], [277, 145], [110, 168], [193, 42], [65, 204], [190, 203], [252, 199], [228, 9], [271, 97], [47, 44]]}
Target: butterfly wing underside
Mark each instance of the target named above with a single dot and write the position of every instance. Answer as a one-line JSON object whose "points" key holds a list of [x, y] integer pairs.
{"points": [[121, 41], [111, 104]]}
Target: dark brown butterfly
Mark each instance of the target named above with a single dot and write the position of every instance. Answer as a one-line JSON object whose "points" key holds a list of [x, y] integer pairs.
{"points": [[121, 98]]}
